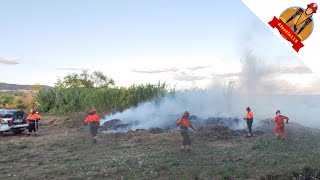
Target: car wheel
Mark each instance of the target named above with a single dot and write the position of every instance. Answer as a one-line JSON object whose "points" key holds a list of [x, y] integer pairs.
{"points": [[17, 131]]}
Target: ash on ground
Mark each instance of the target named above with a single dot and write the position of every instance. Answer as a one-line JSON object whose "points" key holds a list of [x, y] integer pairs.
{"points": [[215, 132], [118, 126]]}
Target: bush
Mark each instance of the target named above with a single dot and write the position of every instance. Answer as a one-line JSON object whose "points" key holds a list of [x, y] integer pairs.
{"points": [[21, 101], [104, 99]]}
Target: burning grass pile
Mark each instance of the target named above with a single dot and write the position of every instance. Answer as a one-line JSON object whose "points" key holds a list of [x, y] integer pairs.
{"points": [[155, 130], [118, 125], [215, 132]]}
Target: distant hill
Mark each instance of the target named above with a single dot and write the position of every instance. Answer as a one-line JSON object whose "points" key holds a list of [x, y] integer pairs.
{"points": [[13, 87]]}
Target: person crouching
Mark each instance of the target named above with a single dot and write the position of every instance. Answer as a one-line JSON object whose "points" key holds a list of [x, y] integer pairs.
{"points": [[94, 120], [184, 123]]}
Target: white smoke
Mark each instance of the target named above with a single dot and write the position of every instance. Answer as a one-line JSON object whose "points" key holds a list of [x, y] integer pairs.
{"points": [[212, 103], [202, 103], [221, 101]]}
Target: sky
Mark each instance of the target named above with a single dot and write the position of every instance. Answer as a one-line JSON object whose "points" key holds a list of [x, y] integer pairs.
{"points": [[265, 10], [184, 43]]}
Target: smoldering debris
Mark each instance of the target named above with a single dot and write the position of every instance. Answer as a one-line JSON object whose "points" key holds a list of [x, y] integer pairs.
{"points": [[117, 125], [215, 132], [109, 125], [230, 122], [155, 130]]}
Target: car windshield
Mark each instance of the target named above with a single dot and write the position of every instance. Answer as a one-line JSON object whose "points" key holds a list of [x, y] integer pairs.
{"points": [[11, 113], [7, 116]]}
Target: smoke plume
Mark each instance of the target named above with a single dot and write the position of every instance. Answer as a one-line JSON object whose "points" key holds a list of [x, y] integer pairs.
{"points": [[228, 100], [258, 87]]}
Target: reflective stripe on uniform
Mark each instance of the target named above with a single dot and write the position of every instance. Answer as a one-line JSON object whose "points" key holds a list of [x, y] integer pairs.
{"points": [[282, 19]]}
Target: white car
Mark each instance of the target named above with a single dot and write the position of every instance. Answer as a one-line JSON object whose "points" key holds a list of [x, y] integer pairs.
{"points": [[12, 120]]}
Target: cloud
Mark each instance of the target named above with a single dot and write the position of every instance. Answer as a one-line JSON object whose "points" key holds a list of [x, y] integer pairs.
{"points": [[9, 61], [312, 89], [292, 69], [150, 70], [155, 71], [197, 68], [227, 75], [258, 77], [297, 69], [270, 86], [189, 78], [71, 69]]}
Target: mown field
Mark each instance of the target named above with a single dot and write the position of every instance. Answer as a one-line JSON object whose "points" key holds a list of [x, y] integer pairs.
{"points": [[62, 152]]}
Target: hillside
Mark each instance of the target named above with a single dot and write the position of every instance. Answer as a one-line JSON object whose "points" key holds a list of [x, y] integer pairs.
{"points": [[14, 87]]}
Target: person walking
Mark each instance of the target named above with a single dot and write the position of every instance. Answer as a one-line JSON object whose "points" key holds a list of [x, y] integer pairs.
{"points": [[249, 119], [94, 120], [184, 124], [279, 120]]}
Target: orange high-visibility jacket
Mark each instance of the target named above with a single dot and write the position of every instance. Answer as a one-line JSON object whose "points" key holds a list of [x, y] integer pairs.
{"points": [[33, 117], [184, 122], [280, 119], [92, 118], [249, 115]]}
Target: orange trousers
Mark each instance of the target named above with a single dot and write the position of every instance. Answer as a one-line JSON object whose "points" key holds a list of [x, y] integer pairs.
{"points": [[279, 127]]}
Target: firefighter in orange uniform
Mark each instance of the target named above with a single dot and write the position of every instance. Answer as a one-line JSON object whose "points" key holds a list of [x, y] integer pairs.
{"points": [[38, 115], [33, 122], [279, 120], [94, 120], [184, 124], [249, 119]]}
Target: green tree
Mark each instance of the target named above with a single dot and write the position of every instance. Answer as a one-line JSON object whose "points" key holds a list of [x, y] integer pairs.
{"points": [[36, 87], [84, 79], [29, 99], [101, 80], [6, 99]]}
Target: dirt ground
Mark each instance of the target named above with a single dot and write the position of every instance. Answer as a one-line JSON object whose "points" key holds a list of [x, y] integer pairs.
{"points": [[63, 150]]}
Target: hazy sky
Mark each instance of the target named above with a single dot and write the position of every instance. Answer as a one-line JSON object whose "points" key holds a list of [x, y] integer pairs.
{"points": [[133, 41]]}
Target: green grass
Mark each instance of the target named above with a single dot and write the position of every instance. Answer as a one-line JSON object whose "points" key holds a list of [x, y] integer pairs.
{"points": [[74, 157]]}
